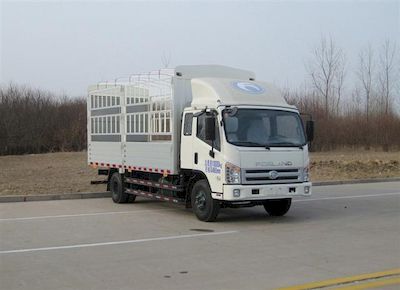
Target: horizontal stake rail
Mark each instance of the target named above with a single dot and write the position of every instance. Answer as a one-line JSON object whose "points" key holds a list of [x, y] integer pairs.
{"points": [[154, 196], [131, 180]]}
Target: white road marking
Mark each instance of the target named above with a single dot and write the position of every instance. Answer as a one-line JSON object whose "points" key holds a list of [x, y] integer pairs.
{"points": [[82, 214], [117, 242], [348, 197]]}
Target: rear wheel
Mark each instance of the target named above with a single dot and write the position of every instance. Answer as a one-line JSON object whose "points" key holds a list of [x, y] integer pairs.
{"points": [[117, 189], [204, 206], [277, 207]]}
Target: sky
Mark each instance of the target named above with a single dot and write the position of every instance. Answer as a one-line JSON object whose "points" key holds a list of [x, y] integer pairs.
{"points": [[63, 46]]}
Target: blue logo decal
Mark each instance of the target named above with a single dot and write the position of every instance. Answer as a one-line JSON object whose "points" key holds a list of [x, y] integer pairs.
{"points": [[213, 166], [248, 87]]}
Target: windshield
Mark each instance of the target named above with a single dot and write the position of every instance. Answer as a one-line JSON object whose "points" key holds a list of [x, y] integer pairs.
{"points": [[263, 128]]}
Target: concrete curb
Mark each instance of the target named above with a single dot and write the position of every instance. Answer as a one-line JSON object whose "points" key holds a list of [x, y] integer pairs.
{"points": [[85, 195], [43, 197], [355, 181]]}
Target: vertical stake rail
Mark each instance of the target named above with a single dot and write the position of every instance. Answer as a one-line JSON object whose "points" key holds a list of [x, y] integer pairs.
{"points": [[150, 118], [123, 125], [165, 115]]}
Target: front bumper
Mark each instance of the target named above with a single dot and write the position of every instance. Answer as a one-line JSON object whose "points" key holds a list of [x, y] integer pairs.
{"points": [[262, 192]]}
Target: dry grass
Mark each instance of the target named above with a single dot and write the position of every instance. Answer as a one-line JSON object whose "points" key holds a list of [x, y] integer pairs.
{"points": [[47, 173], [344, 165], [68, 172]]}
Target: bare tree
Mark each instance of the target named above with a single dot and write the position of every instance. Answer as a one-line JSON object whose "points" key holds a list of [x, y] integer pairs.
{"points": [[365, 74], [327, 70], [166, 59], [339, 83], [387, 74], [35, 121]]}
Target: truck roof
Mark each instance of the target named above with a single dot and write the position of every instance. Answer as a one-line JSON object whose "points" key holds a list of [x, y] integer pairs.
{"points": [[214, 92]]}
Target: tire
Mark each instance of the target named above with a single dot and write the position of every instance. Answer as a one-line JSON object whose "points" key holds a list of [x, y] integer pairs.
{"points": [[204, 206], [117, 189], [277, 207], [131, 198]]}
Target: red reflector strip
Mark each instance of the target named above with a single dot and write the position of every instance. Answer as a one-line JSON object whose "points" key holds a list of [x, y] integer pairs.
{"points": [[147, 169]]}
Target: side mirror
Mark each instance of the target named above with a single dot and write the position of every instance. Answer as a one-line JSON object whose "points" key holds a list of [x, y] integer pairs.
{"points": [[210, 128], [310, 130]]}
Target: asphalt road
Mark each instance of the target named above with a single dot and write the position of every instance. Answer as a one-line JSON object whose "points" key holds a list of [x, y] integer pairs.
{"points": [[94, 244]]}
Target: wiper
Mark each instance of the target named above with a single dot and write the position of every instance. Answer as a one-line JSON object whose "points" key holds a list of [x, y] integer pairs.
{"points": [[285, 144], [244, 143]]}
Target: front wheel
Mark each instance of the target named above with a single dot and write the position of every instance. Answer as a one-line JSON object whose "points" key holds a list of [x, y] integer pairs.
{"points": [[204, 206], [277, 207]]}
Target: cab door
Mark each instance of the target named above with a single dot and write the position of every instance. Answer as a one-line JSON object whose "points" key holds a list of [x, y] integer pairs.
{"points": [[206, 159]]}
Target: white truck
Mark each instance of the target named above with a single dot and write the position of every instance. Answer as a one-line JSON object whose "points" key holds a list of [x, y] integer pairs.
{"points": [[207, 136]]}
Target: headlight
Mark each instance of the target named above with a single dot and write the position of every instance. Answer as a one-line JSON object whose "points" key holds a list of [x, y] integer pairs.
{"points": [[306, 175], [232, 173]]}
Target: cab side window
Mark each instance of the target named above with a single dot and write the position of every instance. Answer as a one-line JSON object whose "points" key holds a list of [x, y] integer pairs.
{"points": [[201, 134]]}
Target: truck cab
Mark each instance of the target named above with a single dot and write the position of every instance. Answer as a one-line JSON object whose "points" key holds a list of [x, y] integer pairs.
{"points": [[248, 142]]}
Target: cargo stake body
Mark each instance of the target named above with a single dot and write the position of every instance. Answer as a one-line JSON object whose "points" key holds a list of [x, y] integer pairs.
{"points": [[207, 136]]}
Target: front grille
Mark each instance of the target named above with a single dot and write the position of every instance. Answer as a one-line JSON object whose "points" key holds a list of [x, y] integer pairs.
{"points": [[264, 176]]}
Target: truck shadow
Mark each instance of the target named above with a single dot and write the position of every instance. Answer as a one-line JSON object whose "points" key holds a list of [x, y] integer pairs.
{"points": [[255, 215], [299, 213]]}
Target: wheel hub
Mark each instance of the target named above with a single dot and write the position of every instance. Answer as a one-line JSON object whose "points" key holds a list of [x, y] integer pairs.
{"points": [[200, 200]]}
